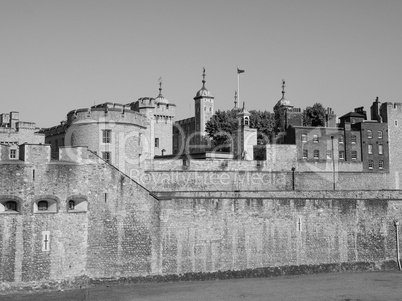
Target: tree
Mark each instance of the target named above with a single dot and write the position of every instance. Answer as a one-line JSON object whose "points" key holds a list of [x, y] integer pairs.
{"points": [[221, 127], [264, 122], [223, 124], [314, 116], [279, 119]]}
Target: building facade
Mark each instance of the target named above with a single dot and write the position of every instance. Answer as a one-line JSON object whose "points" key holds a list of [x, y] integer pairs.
{"points": [[14, 132], [189, 134], [124, 135]]}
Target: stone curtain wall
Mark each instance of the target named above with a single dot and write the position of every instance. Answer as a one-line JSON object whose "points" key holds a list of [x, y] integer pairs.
{"points": [[127, 232], [208, 233], [230, 180], [116, 236]]}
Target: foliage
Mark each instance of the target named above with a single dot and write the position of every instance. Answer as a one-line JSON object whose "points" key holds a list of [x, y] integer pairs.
{"points": [[223, 124], [220, 128], [279, 119], [314, 116]]}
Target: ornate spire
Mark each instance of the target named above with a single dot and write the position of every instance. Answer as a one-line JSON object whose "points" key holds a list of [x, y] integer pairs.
{"points": [[203, 77], [235, 101], [283, 88], [160, 87]]}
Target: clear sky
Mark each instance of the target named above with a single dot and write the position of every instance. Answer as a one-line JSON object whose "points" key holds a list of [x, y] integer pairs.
{"points": [[57, 56]]}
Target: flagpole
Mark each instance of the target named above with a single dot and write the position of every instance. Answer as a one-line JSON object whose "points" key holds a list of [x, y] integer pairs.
{"points": [[238, 83], [238, 87]]}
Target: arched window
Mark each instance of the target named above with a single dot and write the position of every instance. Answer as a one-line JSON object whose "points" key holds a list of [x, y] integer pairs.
{"points": [[8, 205], [245, 120], [369, 134], [43, 205], [77, 204], [71, 205], [46, 204], [11, 206]]}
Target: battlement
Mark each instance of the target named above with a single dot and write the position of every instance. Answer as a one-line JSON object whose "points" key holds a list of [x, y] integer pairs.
{"points": [[158, 108], [40, 153], [106, 112], [393, 105]]}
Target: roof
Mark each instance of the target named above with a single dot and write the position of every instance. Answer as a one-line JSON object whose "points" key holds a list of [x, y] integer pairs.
{"points": [[353, 114]]}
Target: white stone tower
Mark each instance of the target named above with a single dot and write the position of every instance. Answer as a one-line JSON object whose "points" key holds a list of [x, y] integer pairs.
{"points": [[204, 109], [244, 138]]}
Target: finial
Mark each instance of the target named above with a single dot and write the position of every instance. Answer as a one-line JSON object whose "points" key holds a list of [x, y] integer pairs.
{"points": [[235, 97], [203, 77], [283, 88], [244, 105], [160, 86]]}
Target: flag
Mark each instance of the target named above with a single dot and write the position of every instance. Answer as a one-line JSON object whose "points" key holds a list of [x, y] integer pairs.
{"points": [[239, 71]]}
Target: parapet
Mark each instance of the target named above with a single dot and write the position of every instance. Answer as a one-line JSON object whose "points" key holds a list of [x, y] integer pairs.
{"points": [[77, 154], [34, 153], [107, 112]]}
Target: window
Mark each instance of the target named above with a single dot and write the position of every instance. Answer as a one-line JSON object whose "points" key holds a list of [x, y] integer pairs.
{"points": [[370, 149], [381, 164], [354, 155], [380, 149], [369, 134], [329, 154], [379, 134], [43, 205], [305, 153], [245, 120], [77, 205], [13, 153], [315, 138], [370, 164], [342, 155], [106, 136], [353, 139], [304, 138], [45, 240], [316, 154], [11, 206], [340, 139], [106, 156], [156, 142], [47, 205], [396, 122]]}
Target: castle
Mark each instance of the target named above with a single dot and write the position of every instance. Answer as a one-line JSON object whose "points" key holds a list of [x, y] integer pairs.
{"points": [[98, 198]]}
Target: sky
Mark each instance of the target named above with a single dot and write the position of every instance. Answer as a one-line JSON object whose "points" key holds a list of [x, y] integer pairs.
{"points": [[57, 56]]}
